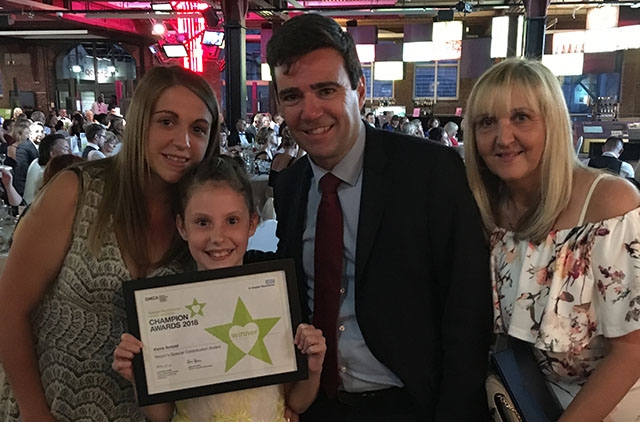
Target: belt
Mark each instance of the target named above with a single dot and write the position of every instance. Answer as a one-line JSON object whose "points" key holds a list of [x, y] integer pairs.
{"points": [[389, 397]]}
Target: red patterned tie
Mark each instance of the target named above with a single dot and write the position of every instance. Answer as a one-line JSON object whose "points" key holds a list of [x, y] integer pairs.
{"points": [[328, 277]]}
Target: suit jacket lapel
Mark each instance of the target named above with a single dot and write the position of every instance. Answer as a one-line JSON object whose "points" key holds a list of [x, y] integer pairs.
{"points": [[301, 196], [375, 185]]}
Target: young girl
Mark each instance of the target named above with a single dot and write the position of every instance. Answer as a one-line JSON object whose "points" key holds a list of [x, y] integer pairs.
{"points": [[216, 217]]}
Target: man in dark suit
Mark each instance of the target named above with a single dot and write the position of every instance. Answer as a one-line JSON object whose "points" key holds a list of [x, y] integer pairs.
{"points": [[26, 152], [414, 321], [610, 158], [239, 136]]}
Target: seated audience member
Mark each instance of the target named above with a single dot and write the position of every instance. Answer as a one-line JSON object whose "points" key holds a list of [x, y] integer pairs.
{"points": [[452, 132], [260, 120], [17, 112], [51, 146], [19, 134], [371, 119], [609, 160], [392, 125], [58, 126], [52, 120], [62, 117], [277, 123], [283, 159], [433, 122], [55, 165], [438, 134], [413, 128], [38, 116], [110, 144], [96, 135], [240, 137], [267, 143], [7, 127], [58, 163], [26, 152], [116, 126], [77, 132], [89, 116], [101, 119]]}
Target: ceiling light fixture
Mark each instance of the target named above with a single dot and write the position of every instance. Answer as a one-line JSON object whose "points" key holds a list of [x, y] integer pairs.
{"points": [[161, 6], [464, 7], [44, 32]]}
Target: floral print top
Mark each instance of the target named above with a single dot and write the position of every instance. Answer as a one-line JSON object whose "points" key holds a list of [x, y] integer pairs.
{"points": [[568, 293]]}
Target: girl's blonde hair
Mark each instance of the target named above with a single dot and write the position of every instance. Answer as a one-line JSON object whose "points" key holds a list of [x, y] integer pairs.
{"points": [[491, 96]]}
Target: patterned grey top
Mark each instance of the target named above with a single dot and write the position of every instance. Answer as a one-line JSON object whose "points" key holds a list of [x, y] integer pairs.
{"points": [[79, 324]]}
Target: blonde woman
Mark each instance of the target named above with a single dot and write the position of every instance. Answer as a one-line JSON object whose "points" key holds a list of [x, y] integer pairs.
{"points": [[452, 131], [20, 133], [92, 228], [565, 243]]}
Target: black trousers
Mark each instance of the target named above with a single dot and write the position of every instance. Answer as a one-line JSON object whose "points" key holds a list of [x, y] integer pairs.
{"points": [[392, 405]]}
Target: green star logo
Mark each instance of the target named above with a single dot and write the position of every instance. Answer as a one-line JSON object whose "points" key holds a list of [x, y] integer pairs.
{"points": [[244, 336], [196, 308]]}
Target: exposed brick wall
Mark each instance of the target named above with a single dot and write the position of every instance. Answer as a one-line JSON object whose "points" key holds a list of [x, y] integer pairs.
{"points": [[31, 67]]}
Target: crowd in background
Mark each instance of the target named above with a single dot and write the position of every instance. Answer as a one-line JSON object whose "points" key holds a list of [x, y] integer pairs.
{"points": [[29, 139]]}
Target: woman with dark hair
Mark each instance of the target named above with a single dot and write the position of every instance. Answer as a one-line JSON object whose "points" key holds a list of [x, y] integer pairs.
{"points": [[77, 132], [439, 135], [50, 146], [282, 160], [116, 125]]}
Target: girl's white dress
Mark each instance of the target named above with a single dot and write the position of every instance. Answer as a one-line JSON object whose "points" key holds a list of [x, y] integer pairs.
{"points": [[264, 404]]}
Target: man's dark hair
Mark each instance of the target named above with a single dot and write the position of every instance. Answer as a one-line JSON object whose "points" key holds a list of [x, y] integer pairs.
{"points": [[436, 133], [612, 142], [92, 130], [306, 33], [46, 145]]}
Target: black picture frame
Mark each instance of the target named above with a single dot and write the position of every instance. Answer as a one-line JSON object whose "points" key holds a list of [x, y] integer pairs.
{"points": [[138, 287]]}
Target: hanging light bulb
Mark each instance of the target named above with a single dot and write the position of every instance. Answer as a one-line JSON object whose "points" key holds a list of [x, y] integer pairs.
{"points": [[159, 29]]}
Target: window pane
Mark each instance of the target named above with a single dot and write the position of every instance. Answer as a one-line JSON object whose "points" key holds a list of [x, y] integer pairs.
{"points": [[382, 89], [424, 81], [447, 81], [366, 70]]}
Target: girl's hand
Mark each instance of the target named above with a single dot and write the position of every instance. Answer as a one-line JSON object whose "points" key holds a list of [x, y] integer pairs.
{"points": [[123, 356], [311, 342]]}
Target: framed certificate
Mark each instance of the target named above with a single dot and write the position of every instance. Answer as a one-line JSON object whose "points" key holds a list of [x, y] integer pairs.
{"points": [[214, 331]]}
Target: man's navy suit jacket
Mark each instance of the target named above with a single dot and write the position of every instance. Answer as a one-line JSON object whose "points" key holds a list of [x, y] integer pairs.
{"points": [[422, 287]]}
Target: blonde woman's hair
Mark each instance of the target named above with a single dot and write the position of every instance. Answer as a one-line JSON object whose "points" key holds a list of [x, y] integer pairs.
{"points": [[129, 172], [491, 97], [450, 127]]}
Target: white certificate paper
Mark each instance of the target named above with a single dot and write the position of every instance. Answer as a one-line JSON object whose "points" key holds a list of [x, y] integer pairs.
{"points": [[215, 331]]}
